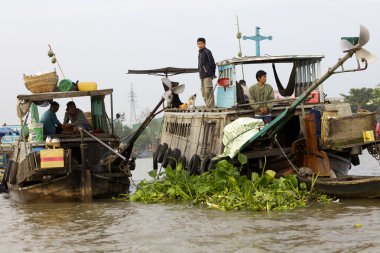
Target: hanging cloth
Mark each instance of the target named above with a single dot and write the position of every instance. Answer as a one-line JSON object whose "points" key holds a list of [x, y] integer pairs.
{"points": [[291, 84]]}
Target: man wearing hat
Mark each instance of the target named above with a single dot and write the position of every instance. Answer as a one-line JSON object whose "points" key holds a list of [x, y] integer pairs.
{"points": [[206, 67]]}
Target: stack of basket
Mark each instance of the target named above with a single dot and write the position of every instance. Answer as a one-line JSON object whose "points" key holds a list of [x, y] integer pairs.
{"points": [[41, 83]]}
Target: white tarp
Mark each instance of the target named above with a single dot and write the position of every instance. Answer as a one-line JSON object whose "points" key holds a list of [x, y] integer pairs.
{"points": [[237, 133]]}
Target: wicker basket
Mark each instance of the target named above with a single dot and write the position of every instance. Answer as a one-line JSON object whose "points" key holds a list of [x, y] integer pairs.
{"points": [[41, 83]]}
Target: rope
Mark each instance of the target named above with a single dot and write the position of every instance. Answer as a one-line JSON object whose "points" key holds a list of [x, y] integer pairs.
{"points": [[283, 152]]}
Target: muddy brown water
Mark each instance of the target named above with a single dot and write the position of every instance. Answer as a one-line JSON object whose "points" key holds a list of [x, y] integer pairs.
{"points": [[115, 226]]}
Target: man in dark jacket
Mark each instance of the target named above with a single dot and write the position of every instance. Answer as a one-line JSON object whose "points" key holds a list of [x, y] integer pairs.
{"points": [[206, 67]]}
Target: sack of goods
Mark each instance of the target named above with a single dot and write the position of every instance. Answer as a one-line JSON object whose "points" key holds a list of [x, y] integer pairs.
{"points": [[41, 83]]}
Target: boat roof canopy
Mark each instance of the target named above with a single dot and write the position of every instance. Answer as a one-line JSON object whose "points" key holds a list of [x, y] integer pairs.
{"points": [[67, 94], [168, 71], [271, 59]]}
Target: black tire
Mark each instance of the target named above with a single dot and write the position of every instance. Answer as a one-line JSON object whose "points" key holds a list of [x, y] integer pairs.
{"points": [[13, 173], [166, 159], [206, 163], [155, 163], [173, 160], [156, 152], [212, 164], [355, 160], [182, 160], [194, 165], [161, 154]]}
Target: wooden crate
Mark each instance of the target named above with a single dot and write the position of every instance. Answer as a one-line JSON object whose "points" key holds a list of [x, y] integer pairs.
{"points": [[347, 131]]}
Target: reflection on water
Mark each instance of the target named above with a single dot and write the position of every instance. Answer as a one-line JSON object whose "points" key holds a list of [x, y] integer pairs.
{"points": [[113, 226]]}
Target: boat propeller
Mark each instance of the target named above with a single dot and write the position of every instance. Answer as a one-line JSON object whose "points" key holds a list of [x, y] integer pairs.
{"points": [[356, 44]]}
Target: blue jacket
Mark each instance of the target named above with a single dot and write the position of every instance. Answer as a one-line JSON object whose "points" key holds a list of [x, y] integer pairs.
{"points": [[206, 64]]}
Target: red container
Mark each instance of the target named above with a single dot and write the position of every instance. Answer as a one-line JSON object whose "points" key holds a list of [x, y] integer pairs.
{"points": [[313, 98], [224, 82]]}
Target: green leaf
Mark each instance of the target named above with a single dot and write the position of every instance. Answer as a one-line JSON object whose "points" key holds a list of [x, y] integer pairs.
{"points": [[254, 176], [203, 189], [153, 173], [270, 173], [169, 171], [242, 158], [224, 164]]}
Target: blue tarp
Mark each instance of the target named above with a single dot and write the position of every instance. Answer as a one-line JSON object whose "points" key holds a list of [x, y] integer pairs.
{"points": [[5, 130]]}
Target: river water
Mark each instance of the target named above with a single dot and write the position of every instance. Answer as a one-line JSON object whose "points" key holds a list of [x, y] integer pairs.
{"points": [[116, 226]]}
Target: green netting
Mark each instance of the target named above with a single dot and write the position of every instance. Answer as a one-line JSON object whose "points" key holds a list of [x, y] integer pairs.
{"points": [[34, 114], [98, 113]]}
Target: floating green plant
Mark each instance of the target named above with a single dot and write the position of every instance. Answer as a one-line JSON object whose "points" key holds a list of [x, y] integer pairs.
{"points": [[225, 189]]}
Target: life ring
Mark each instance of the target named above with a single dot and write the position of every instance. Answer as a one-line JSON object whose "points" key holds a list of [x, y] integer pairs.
{"points": [[167, 155], [13, 173], [182, 160], [160, 155], [206, 163], [173, 160], [194, 164]]}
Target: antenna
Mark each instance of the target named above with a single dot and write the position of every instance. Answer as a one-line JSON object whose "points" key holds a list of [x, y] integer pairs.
{"points": [[238, 36], [132, 106]]}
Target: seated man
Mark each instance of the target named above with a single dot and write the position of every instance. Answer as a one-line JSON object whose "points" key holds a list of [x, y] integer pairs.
{"points": [[76, 118], [261, 92], [50, 120]]}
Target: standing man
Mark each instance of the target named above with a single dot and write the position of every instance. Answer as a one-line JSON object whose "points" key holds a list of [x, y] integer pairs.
{"points": [[206, 67], [261, 92], [50, 120]]}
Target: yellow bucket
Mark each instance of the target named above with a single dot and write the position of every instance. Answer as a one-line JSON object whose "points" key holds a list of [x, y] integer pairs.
{"points": [[368, 136], [87, 86]]}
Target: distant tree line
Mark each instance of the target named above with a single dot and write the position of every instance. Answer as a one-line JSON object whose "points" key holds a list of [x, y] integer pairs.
{"points": [[364, 98], [148, 137]]}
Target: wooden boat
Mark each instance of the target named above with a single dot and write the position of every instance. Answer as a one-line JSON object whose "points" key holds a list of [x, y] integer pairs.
{"points": [[346, 187], [194, 136], [88, 167]]}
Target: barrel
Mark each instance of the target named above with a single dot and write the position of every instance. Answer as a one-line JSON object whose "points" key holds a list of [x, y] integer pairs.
{"points": [[87, 86], [36, 133]]}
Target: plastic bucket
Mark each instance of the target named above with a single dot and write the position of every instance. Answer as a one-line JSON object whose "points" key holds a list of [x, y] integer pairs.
{"points": [[87, 86], [36, 133], [65, 85]]}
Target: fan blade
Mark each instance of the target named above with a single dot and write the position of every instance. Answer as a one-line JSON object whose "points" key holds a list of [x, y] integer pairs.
{"points": [[168, 96], [345, 45], [167, 82], [179, 89], [365, 54], [364, 35]]}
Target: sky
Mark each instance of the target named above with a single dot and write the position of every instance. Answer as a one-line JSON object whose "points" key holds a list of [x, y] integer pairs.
{"points": [[100, 40]]}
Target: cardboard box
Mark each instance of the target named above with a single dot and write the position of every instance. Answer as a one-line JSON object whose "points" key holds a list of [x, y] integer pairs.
{"points": [[52, 158]]}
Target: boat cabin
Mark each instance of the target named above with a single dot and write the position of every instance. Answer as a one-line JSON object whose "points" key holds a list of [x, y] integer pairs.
{"points": [[305, 71]]}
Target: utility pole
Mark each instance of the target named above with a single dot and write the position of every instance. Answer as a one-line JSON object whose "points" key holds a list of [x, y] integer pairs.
{"points": [[132, 107]]}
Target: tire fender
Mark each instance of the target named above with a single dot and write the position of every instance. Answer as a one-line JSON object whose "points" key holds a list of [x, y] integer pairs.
{"points": [[194, 164]]}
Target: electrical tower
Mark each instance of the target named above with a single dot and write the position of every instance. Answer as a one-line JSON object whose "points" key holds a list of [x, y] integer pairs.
{"points": [[132, 107]]}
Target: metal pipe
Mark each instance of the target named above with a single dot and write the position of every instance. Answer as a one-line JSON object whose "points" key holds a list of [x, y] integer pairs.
{"points": [[104, 144], [112, 126]]}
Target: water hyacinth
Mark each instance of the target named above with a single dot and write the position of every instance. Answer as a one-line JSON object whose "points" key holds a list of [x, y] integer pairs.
{"points": [[225, 189]]}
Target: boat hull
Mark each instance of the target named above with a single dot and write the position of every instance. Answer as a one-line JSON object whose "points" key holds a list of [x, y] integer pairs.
{"points": [[346, 187], [68, 189]]}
